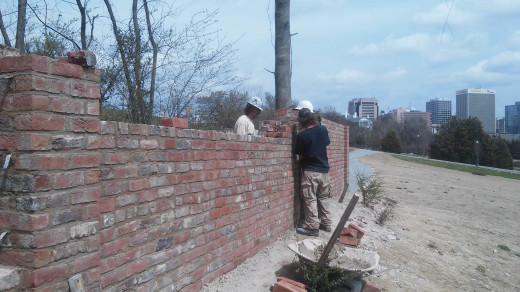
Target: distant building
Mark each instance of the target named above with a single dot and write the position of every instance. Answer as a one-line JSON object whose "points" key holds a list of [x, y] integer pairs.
{"points": [[440, 109], [478, 103], [501, 126], [402, 114], [512, 118], [364, 107]]}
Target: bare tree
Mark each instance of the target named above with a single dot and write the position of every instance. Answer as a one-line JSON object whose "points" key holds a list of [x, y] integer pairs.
{"points": [[21, 23], [283, 72]]}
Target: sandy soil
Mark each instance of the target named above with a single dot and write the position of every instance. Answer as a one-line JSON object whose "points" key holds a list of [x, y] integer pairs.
{"points": [[444, 234]]}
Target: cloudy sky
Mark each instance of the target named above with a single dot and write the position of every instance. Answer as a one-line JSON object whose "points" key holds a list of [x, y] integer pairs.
{"points": [[403, 53]]}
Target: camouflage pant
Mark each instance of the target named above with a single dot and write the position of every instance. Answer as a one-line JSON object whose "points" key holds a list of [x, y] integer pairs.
{"points": [[316, 194]]}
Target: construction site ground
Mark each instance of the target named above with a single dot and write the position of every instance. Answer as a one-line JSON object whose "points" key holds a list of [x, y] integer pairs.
{"points": [[448, 231]]}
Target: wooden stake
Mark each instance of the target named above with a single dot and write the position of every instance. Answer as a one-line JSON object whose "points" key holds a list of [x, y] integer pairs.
{"points": [[338, 229]]}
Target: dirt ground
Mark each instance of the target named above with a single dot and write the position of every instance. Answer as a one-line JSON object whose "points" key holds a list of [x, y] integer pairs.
{"points": [[449, 231]]}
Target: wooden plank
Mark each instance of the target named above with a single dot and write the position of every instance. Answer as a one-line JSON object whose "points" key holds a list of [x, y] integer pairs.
{"points": [[337, 231]]}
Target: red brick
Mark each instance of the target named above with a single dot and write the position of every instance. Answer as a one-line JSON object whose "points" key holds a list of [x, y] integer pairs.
{"points": [[27, 259], [89, 125], [113, 276], [107, 235], [147, 196], [85, 195], [7, 142], [295, 283], [42, 183], [50, 237], [349, 240], [93, 108], [107, 205], [68, 105], [114, 158], [113, 247], [69, 179], [33, 141], [137, 267], [101, 142], [138, 184], [169, 143], [360, 232], [85, 160], [214, 214], [26, 102], [23, 63], [91, 176], [85, 262], [369, 287], [51, 162], [48, 274], [67, 70], [28, 222], [347, 231], [283, 286], [175, 122], [39, 122]]}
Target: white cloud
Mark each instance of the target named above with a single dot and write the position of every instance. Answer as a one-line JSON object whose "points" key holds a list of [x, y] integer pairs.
{"points": [[397, 72], [411, 43], [505, 63], [369, 49], [515, 37], [346, 75], [500, 68]]}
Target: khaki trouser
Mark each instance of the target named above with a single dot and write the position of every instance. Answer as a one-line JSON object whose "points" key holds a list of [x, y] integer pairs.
{"points": [[316, 194]]}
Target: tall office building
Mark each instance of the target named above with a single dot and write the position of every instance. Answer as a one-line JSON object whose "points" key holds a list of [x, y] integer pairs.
{"points": [[364, 107], [512, 118], [440, 108], [478, 103]]}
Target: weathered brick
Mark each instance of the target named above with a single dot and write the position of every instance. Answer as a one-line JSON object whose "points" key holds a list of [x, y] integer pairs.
{"points": [[67, 70], [7, 141], [27, 222], [84, 58], [124, 142], [85, 195], [138, 184], [69, 179], [147, 196], [26, 102], [85, 262], [6, 123], [84, 124], [39, 122], [49, 273], [125, 200], [113, 247], [147, 169], [37, 203], [68, 249], [68, 105], [85, 160], [27, 259], [50, 237], [100, 142], [175, 122], [107, 205], [23, 63], [149, 144], [66, 142], [84, 229]]}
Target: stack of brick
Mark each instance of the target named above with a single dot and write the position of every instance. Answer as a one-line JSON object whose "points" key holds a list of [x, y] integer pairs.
{"points": [[287, 285], [280, 128], [351, 235]]}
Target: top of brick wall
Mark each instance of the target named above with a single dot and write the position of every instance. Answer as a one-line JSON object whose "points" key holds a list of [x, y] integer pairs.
{"points": [[42, 64]]}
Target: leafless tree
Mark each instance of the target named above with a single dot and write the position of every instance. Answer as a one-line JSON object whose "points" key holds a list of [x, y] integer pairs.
{"points": [[21, 23]]}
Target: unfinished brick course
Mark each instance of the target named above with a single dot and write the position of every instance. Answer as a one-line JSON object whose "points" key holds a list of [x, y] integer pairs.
{"points": [[133, 207]]}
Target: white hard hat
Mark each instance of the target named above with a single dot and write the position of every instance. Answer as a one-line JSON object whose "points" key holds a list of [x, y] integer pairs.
{"points": [[304, 104], [256, 102]]}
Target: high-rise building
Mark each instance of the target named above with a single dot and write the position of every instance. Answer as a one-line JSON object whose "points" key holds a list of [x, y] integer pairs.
{"points": [[478, 103], [364, 107], [440, 108], [501, 126], [512, 118]]}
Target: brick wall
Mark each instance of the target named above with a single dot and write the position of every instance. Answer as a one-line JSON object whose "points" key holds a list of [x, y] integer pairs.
{"points": [[132, 207]]}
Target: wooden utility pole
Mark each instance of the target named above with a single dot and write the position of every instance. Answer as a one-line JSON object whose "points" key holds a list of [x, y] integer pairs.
{"points": [[282, 48]]}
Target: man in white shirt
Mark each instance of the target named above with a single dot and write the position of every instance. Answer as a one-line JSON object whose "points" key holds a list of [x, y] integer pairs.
{"points": [[244, 125]]}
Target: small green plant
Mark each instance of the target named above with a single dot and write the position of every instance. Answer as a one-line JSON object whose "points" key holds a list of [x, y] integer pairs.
{"points": [[384, 215], [481, 269], [432, 245], [504, 247], [371, 188], [325, 278]]}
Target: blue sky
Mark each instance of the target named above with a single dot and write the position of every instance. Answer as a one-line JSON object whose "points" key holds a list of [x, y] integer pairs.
{"points": [[403, 53]]}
